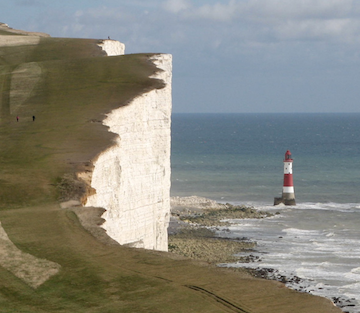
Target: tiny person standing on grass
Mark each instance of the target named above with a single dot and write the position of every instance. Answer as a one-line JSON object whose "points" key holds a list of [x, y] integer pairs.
{"points": [[17, 118]]}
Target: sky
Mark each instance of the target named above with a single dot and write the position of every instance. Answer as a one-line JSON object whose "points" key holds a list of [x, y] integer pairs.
{"points": [[233, 56]]}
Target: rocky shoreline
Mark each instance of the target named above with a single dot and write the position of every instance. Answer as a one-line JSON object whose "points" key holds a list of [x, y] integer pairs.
{"points": [[296, 283], [192, 233], [193, 225]]}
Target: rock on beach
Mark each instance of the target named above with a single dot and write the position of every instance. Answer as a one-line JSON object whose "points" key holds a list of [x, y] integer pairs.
{"points": [[192, 230]]}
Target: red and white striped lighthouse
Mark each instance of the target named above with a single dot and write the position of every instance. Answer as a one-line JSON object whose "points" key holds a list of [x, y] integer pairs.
{"points": [[288, 194]]}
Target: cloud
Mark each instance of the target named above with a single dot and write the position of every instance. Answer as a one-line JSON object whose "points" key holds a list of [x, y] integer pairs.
{"points": [[275, 20], [29, 3], [176, 6], [296, 9], [263, 9], [344, 30], [217, 11], [97, 22], [322, 20], [222, 27]]}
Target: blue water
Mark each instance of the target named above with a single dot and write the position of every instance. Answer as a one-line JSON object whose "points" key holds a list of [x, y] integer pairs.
{"points": [[238, 158]]}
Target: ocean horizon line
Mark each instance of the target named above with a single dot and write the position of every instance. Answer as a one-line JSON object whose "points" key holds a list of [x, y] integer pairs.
{"points": [[265, 113]]}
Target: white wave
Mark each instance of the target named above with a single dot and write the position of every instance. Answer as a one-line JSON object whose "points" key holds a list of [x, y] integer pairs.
{"points": [[356, 270], [325, 264], [354, 286], [321, 245], [318, 273], [352, 256], [241, 224], [326, 206], [277, 257], [354, 275], [300, 232], [329, 206], [351, 291]]}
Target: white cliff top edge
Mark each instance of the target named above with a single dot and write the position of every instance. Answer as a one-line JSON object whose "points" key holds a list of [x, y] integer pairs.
{"points": [[5, 27], [20, 37], [112, 47]]}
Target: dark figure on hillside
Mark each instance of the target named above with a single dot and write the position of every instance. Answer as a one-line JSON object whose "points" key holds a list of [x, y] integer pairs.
{"points": [[108, 37], [17, 118], [33, 117]]}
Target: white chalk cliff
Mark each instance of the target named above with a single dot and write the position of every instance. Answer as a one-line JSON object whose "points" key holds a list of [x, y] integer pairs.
{"points": [[112, 47], [132, 178]]}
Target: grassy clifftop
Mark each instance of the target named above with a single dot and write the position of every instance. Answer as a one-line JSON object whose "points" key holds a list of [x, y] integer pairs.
{"points": [[68, 85]]}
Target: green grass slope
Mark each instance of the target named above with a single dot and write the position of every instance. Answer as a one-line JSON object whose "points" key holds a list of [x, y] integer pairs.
{"points": [[68, 98], [69, 86]]}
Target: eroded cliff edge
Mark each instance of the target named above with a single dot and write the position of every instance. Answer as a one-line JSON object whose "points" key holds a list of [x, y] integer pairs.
{"points": [[53, 95], [132, 178], [77, 86]]}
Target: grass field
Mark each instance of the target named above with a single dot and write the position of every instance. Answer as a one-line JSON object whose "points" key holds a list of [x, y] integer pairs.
{"points": [[69, 86]]}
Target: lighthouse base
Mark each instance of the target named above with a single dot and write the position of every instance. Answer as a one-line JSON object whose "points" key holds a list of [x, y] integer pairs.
{"points": [[281, 200]]}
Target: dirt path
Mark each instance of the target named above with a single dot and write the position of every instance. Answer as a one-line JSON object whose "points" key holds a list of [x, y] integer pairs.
{"points": [[31, 270]]}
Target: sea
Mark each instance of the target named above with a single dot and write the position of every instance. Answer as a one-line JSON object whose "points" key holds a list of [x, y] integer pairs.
{"points": [[238, 159]]}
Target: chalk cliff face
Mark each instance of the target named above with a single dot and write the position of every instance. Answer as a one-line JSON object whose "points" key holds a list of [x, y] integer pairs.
{"points": [[112, 47], [132, 178]]}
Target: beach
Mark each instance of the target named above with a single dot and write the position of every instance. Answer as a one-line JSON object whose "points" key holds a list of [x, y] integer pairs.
{"points": [[194, 226], [194, 229], [191, 235]]}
